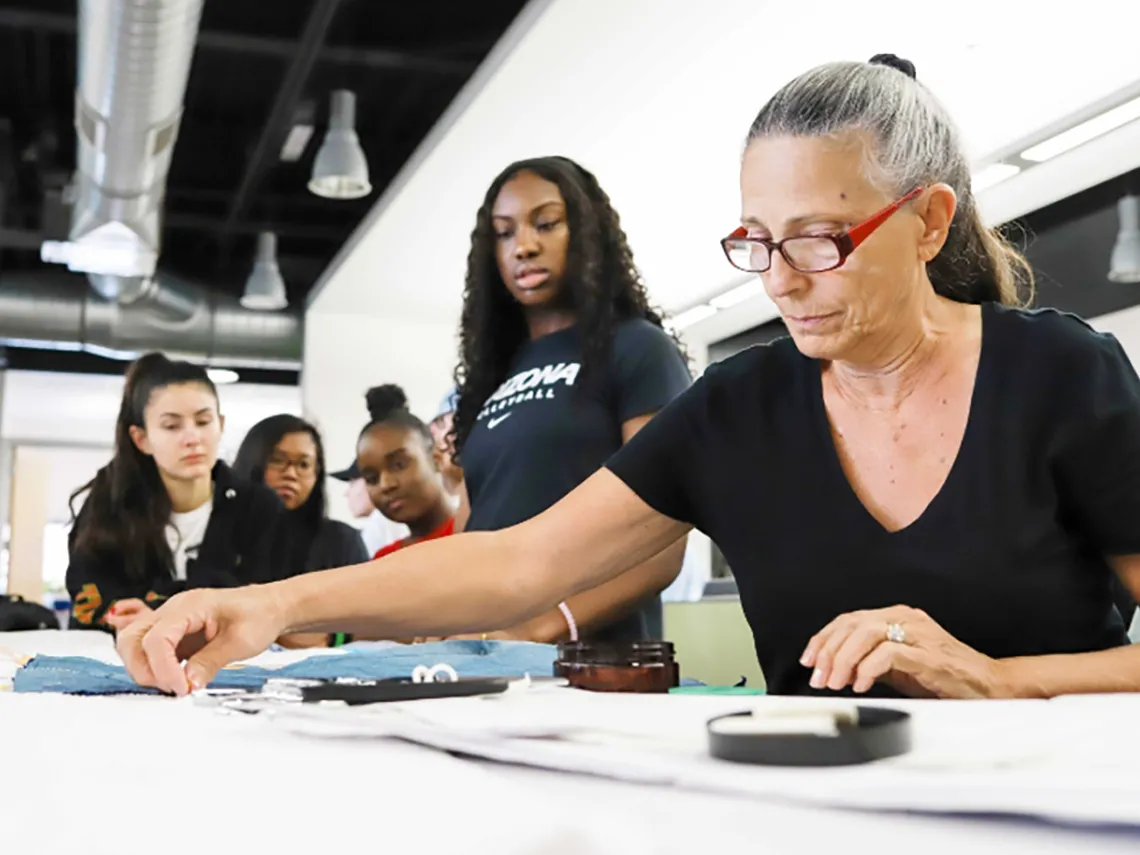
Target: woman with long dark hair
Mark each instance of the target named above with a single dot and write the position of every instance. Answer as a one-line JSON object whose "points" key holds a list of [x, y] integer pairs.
{"points": [[285, 453], [562, 360], [165, 514]]}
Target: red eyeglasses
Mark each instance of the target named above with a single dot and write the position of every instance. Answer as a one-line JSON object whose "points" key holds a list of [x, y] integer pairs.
{"points": [[805, 253]]}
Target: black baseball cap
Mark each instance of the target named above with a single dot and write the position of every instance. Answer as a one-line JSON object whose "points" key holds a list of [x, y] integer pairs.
{"points": [[349, 474]]}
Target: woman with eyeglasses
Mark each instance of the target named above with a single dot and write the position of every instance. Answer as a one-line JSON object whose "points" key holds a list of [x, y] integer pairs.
{"points": [[286, 454], [925, 490]]}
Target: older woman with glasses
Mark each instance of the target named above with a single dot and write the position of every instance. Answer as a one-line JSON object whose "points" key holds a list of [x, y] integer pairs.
{"points": [[925, 490]]}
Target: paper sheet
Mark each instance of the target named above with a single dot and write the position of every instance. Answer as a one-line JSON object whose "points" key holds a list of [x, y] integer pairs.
{"points": [[1071, 760]]}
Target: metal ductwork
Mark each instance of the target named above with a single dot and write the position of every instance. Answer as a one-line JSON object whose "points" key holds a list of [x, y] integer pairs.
{"points": [[134, 62], [58, 311]]}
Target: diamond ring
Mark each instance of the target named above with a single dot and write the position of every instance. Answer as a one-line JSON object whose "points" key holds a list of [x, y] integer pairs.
{"points": [[896, 633]]}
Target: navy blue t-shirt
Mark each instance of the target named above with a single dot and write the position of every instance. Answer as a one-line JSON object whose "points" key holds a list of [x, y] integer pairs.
{"points": [[544, 432], [1009, 556]]}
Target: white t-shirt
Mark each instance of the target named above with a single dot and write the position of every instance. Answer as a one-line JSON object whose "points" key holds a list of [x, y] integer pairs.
{"points": [[185, 534]]}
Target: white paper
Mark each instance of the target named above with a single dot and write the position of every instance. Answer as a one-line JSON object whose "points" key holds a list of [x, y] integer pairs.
{"points": [[1033, 758]]}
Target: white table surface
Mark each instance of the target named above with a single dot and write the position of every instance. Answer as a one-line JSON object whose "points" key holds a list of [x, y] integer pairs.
{"points": [[140, 774]]}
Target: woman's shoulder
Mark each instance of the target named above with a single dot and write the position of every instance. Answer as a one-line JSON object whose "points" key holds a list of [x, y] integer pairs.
{"points": [[338, 530], [761, 379], [770, 365], [1054, 335], [640, 334], [1058, 364]]}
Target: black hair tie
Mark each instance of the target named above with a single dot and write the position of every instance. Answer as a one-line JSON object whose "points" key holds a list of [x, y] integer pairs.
{"points": [[895, 62]]}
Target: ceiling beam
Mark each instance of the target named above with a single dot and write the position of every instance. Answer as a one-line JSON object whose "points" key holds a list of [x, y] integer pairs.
{"points": [[380, 59], [285, 104], [211, 225]]}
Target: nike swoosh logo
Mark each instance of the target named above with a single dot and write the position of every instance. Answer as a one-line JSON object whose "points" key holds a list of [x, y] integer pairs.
{"points": [[498, 420]]}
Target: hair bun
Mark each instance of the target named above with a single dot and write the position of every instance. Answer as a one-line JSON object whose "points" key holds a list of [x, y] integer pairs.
{"points": [[385, 400], [895, 62]]}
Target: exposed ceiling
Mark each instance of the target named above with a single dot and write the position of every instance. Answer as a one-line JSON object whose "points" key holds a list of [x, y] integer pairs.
{"points": [[259, 66]]}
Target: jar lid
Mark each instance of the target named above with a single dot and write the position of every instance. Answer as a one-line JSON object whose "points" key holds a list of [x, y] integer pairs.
{"points": [[620, 653]]}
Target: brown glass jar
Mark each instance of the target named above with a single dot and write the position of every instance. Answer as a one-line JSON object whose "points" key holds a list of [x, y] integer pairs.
{"points": [[639, 666]]}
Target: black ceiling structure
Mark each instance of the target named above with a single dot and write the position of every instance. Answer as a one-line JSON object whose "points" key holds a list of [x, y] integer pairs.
{"points": [[1068, 244], [260, 67]]}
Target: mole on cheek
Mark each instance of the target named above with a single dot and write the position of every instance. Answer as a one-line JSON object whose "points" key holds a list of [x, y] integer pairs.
{"points": [[843, 196]]}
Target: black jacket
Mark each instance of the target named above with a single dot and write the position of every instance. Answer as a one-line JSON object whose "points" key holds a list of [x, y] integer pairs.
{"points": [[336, 544], [243, 545]]}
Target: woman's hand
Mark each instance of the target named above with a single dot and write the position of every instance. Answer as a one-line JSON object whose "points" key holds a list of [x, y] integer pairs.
{"points": [[209, 628], [125, 612], [904, 648]]}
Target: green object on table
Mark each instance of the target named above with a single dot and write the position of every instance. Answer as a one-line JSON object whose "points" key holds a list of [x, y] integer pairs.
{"points": [[715, 690]]}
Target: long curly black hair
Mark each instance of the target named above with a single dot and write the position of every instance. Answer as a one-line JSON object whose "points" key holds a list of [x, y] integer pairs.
{"points": [[605, 288]]}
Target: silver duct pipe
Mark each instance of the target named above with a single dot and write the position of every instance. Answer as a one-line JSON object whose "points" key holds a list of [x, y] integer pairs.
{"points": [[57, 311], [134, 62]]}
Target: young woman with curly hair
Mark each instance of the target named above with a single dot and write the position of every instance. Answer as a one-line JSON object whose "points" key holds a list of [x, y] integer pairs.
{"points": [[562, 360]]}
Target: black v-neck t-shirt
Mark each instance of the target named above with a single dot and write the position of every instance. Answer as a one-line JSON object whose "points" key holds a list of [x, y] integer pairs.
{"points": [[547, 429], [1009, 556]]}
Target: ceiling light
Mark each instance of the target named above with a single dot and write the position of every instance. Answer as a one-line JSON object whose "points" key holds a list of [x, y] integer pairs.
{"points": [[1125, 266], [754, 287], [995, 173], [691, 316], [265, 289], [341, 170], [1084, 132], [222, 376]]}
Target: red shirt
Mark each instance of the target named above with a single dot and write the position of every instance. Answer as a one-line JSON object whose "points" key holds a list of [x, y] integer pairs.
{"points": [[443, 531]]}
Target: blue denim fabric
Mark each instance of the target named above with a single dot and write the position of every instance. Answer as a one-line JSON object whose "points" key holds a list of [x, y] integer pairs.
{"points": [[78, 675]]}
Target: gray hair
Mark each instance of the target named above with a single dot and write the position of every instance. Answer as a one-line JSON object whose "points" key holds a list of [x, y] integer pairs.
{"points": [[913, 142]]}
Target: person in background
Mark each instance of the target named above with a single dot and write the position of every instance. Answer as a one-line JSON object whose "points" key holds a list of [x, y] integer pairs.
{"points": [[562, 360], [441, 427], [165, 514], [376, 530], [286, 454], [400, 466]]}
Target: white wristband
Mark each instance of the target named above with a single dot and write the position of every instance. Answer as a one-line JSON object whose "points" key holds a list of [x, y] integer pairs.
{"points": [[566, 613]]}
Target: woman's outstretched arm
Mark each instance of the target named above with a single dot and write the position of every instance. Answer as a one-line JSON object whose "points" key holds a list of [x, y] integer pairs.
{"points": [[443, 587]]}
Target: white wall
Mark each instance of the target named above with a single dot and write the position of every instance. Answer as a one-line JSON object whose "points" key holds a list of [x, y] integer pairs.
{"points": [[345, 354], [79, 410]]}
